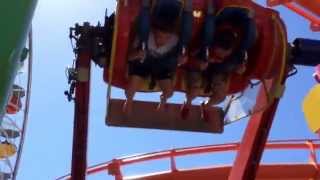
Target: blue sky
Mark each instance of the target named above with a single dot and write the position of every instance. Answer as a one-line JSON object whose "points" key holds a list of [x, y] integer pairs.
{"points": [[47, 152]]}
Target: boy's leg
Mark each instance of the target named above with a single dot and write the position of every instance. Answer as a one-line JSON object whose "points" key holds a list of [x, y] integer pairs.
{"points": [[219, 92], [163, 71], [137, 72], [193, 80], [219, 89], [192, 93], [135, 82], [166, 86]]}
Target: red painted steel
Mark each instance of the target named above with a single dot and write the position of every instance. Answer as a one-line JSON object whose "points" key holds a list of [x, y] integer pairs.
{"points": [[312, 6], [80, 132], [315, 27], [265, 172], [309, 9], [116, 164], [256, 134], [277, 2], [313, 155], [252, 146], [302, 12]]}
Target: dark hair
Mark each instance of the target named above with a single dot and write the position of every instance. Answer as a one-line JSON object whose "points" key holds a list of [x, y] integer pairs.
{"points": [[165, 14], [225, 39]]}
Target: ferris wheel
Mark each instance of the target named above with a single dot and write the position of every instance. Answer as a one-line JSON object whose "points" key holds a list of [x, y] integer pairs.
{"points": [[14, 123]]}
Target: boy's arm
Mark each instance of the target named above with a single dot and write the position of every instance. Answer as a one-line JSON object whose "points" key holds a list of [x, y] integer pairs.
{"points": [[233, 63], [134, 53]]}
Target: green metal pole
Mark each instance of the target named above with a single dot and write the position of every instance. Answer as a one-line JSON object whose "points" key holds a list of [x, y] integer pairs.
{"points": [[15, 21]]}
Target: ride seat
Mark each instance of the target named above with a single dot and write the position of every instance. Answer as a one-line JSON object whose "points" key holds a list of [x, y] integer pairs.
{"points": [[264, 57]]}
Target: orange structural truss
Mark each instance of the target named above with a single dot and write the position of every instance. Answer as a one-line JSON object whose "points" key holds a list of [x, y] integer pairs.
{"points": [[309, 9], [296, 171]]}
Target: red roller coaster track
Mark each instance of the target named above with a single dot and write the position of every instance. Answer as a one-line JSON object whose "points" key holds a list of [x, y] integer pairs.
{"points": [[298, 171]]}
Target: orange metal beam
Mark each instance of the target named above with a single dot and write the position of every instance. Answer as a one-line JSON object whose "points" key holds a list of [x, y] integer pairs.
{"points": [[272, 3], [313, 155], [309, 9], [272, 145], [315, 27], [303, 13], [283, 171], [257, 131], [252, 146], [311, 5]]}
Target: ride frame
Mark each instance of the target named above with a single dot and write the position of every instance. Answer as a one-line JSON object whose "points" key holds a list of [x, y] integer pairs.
{"points": [[250, 150]]}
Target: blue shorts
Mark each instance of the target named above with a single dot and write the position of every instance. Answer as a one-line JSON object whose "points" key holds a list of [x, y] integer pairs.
{"points": [[157, 68]]}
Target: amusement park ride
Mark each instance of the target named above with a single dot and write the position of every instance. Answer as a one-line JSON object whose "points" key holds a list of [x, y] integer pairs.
{"points": [[271, 61]]}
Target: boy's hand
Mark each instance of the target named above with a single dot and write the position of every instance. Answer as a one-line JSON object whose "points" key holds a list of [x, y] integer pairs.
{"points": [[241, 68], [137, 55], [215, 60], [182, 59], [204, 65]]}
